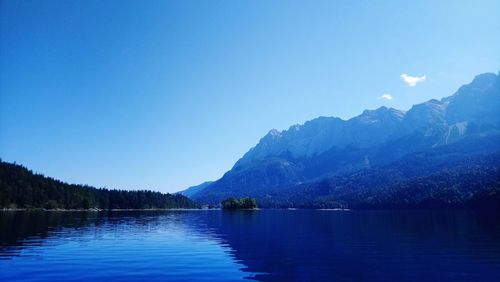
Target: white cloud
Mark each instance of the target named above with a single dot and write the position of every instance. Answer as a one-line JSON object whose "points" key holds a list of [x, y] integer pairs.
{"points": [[386, 97], [412, 80]]}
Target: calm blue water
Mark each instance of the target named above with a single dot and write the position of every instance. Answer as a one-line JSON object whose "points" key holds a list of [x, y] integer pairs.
{"points": [[266, 245]]}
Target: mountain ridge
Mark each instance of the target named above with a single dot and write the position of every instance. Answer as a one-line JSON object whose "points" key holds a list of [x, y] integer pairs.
{"points": [[330, 146]]}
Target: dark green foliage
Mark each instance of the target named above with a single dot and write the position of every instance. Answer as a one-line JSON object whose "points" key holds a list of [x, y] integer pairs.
{"points": [[464, 174], [419, 181], [21, 188], [235, 204]]}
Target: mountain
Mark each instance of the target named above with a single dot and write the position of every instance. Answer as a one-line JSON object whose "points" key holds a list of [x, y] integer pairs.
{"points": [[21, 188], [195, 189], [445, 176], [299, 166]]}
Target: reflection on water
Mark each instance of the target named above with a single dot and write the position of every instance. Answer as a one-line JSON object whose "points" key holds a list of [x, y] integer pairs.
{"points": [[266, 245], [131, 246]]}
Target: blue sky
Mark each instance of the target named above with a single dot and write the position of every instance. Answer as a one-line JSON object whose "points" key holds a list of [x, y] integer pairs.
{"points": [[167, 94]]}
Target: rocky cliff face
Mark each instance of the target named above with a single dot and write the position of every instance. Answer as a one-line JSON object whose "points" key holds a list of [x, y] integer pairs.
{"points": [[329, 146]]}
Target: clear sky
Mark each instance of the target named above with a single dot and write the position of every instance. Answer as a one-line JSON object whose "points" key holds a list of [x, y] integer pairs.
{"points": [[167, 94]]}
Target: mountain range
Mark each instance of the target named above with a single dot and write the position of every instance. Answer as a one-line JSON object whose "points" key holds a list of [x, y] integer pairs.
{"points": [[439, 153]]}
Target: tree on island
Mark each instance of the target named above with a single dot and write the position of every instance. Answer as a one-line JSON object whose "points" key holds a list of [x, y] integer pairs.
{"points": [[242, 203]]}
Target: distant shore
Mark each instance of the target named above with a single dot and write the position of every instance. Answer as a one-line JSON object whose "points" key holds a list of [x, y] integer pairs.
{"points": [[96, 209]]}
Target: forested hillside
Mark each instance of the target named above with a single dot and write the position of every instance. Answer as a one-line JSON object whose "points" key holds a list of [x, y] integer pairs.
{"points": [[415, 182], [21, 188]]}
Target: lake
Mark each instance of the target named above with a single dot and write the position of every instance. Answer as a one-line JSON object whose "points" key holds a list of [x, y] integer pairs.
{"points": [[264, 245]]}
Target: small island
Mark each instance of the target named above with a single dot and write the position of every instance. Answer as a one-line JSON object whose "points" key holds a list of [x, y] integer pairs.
{"points": [[239, 204]]}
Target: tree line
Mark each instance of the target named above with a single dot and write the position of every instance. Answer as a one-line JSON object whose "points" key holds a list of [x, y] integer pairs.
{"points": [[21, 188]]}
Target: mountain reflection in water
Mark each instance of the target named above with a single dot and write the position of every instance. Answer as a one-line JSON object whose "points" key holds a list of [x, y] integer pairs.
{"points": [[266, 245]]}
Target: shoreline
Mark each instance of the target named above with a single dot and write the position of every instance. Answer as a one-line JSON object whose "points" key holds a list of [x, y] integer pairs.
{"points": [[257, 209], [96, 210]]}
